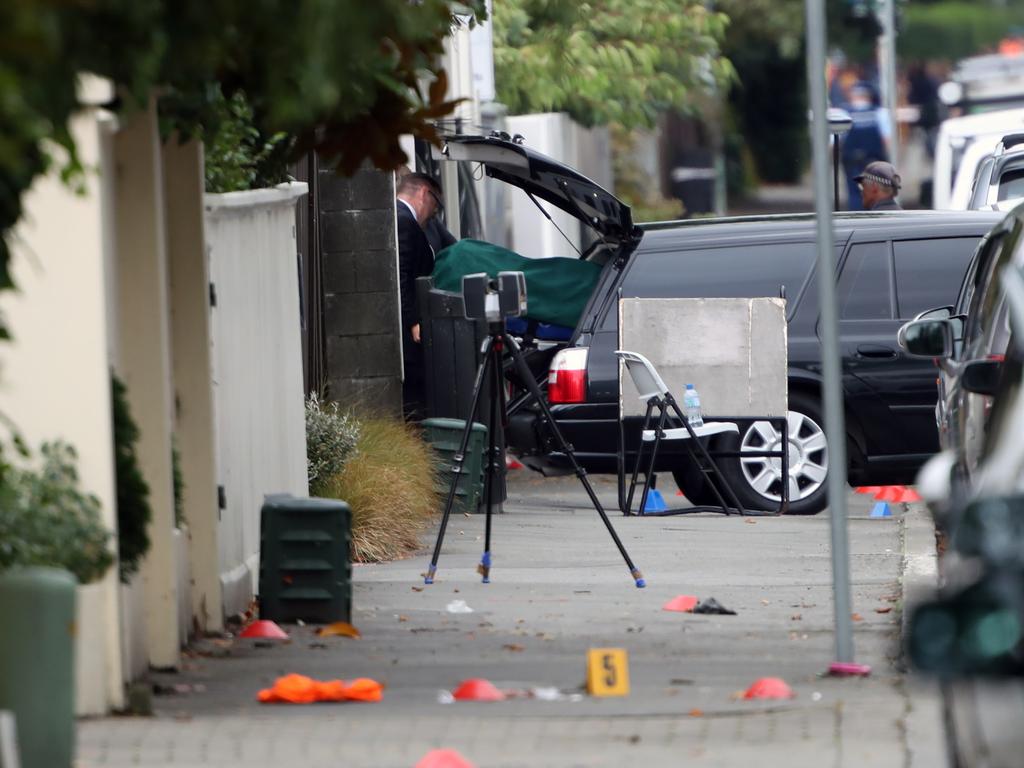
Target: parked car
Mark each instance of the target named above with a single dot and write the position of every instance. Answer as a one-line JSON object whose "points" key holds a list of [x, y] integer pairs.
{"points": [[971, 635], [999, 181], [953, 152], [975, 327], [891, 267]]}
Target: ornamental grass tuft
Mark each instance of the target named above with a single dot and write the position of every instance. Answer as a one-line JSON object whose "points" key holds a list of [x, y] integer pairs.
{"points": [[389, 482]]}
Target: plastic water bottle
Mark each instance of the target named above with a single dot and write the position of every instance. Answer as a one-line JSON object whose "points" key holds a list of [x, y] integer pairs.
{"points": [[691, 406]]}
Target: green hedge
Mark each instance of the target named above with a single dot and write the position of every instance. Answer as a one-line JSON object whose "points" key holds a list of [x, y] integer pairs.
{"points": [[954, 30]]}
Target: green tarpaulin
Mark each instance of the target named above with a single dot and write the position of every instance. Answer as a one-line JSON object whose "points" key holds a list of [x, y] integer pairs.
{"points": [[557, 289]]}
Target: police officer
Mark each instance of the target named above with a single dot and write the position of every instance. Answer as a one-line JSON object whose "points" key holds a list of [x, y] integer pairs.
{"points": [[879, 184], [867, 140]]}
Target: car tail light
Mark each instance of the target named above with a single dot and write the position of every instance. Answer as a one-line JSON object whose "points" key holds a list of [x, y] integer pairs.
{"points": [[567, 376]]}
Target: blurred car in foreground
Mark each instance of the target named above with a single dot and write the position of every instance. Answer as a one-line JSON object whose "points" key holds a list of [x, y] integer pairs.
{"points": [[972, 634]]}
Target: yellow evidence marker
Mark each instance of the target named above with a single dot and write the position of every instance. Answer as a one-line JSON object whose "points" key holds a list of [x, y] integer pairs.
{"points": [[607, 672]]}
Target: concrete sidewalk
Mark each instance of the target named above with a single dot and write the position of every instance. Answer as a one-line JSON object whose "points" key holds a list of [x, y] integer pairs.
{"points": [[559, 587]]}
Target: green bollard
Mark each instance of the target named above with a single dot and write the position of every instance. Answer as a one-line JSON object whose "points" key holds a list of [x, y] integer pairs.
{"points": [[37, 608]]}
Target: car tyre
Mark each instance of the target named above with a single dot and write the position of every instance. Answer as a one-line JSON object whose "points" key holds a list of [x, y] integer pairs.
{"points": [[757, 481]]}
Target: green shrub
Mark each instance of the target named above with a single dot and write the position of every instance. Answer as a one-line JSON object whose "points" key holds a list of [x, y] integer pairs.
{"points": [[238, 155], [133, 510], [953, 30], [331, 438], [46, 519]]}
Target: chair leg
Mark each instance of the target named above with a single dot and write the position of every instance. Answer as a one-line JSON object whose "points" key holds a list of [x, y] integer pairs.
{"points": [[659, 431], [711, 465], [639, 457]]}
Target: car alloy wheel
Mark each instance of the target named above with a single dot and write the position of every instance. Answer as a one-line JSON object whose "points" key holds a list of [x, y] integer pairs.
{"points": [[808, 458]]}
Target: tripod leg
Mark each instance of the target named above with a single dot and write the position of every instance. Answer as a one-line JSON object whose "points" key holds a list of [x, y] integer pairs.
{"points": [[484, 569], [459, 458], [527, 377]]}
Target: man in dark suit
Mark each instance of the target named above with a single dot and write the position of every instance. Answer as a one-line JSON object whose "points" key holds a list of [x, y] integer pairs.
{"points": [[419, 199]]}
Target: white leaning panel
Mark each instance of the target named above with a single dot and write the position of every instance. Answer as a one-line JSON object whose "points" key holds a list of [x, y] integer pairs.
{"points": [[732, 350]]}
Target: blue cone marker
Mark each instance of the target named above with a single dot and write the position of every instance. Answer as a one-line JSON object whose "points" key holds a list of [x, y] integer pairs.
{"points": [[485, 567]]}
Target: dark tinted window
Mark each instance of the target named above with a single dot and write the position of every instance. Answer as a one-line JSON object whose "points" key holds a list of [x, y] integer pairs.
{"points": [[1011, 184], [929, 272], [748, 271], [864, 283]]}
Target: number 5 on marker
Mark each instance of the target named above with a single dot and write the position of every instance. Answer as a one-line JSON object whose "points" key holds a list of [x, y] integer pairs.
{"points": [[607, 672]]}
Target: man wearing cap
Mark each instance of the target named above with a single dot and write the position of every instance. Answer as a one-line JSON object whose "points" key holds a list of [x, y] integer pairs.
{"points": [[419, 198], [879, 184]]}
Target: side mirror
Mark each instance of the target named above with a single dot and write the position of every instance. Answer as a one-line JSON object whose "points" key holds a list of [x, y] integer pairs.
{"points": [[927, 338], [981, 376]]}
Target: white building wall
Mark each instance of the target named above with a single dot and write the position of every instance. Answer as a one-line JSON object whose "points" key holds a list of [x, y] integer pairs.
{"points": [[586, 150], [54, 379], [257, 354]]}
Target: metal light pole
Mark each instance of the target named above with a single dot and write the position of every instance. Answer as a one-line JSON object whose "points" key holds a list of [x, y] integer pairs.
{"points": [[835, 430], [887, 73], [839, 123]]}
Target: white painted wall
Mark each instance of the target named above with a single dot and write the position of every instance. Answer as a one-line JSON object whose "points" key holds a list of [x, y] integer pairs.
{"points": [[586, 150], [257, 352], [54, 379]]}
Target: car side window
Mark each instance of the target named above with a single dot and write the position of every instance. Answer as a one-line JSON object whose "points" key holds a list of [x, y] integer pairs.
{"points": [[985, 294], [929, 272], [735, 271], [1011, 184], [864, 285]]}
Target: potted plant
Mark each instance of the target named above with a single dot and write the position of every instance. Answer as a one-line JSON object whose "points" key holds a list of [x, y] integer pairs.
{"points": [[51, 539]]}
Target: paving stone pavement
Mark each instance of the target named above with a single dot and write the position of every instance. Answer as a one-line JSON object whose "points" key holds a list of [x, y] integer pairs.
{"points": [[559, 587]]}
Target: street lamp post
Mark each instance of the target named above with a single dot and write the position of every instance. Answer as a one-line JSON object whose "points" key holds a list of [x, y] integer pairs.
{"points": [[839, 123]]}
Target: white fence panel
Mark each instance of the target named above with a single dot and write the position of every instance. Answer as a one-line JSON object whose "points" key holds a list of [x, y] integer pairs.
{"points": [[257, 354]]}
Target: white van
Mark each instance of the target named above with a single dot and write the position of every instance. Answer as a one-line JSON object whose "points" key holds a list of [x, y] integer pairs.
{"points": [[956, 136]]}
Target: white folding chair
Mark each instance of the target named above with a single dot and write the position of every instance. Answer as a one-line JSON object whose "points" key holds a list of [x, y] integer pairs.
{"points": [[653, 391]]}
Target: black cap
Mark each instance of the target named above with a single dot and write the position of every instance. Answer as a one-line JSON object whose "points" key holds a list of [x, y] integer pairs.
{"points": [[882, 173]]}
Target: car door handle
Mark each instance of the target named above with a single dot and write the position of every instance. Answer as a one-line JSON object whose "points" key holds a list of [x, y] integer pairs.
{"points": [[876, 351]]}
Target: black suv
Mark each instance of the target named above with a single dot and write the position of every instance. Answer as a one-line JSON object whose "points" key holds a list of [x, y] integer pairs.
{"points": [[891, 267]]}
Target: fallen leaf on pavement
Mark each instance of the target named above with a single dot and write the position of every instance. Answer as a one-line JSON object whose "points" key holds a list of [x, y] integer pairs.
{"points": [[795, 617], [856, 617], [403, 618], [748, 521], [765, 602], [339, 629], [886, 609], [514, 647], [695, 712], [417, 589]]}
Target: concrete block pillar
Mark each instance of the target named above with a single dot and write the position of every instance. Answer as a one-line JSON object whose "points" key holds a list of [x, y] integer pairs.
{"points": [[359, 251], [195, 422], [145, 360]]}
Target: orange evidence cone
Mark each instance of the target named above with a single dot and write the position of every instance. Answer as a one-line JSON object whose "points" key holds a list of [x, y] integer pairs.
{"points": [[477, 689], [872, 489], [890, 493], [443, 758], [910, 495], [681, 603], [266, 630], [769, 688]]}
